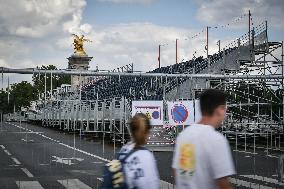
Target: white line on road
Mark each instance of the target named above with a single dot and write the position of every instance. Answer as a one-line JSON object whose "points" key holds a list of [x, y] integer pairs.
{"points": [[67, 161], [16, 161], [3, 147], [14, 165], [7, 152], [44, 164], [97, 162], [29, 185], [84, 152], [70, 147], [28, 173], [27, 140], [74, 184]]}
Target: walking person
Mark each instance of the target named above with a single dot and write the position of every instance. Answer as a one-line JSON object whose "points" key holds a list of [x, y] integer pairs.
{"points": [[202, 157], [139, 165]]}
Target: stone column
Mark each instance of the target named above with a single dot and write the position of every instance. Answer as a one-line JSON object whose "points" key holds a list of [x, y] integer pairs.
{"points": [[78, 62]]}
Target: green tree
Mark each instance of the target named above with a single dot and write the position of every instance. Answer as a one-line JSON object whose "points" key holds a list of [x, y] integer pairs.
{"points": [[57, 80], [21, 94], [4, 106]]}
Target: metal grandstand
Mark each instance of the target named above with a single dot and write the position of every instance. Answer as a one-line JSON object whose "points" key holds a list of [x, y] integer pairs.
{"points": [[250, 69], [103, 105]]}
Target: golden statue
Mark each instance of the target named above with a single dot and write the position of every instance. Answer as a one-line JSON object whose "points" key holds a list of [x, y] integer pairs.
{"points": [[78, 44]]}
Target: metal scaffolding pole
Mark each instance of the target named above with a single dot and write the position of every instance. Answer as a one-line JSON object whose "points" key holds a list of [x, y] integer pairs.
{"points": [[207, 42], [282, 59], [45, 88], [142, 74], [2, 80], [51, 83], [1, 121]]}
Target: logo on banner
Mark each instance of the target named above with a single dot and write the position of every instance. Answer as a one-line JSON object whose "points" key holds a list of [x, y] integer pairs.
{"points": [[154, 115], [179, 113], [148, 115]]}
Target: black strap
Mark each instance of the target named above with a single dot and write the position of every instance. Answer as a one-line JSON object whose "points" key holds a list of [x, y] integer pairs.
{"points": [[135, 149]]}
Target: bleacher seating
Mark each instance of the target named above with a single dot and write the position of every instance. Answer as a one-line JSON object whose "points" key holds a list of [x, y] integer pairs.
{"points": [[146, 88]]}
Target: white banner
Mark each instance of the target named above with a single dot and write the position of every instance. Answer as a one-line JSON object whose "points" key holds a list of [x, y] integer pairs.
{"points": [[181, 113], [152, 109]]}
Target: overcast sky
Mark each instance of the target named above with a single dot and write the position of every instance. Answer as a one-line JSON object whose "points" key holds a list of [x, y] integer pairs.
{"points": [[37, 32]]}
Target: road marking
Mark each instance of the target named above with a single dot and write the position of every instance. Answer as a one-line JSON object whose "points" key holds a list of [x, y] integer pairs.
{"points": [[74, 184], [3, 147], [67, 161], [44, 164], [247, 184], [264, 179], [7, 152], [29, 185], [87, 172], [71, 147], [27, 140], [16, 161], [63, 161], [27, 172], [14, 165], [97, 162]]}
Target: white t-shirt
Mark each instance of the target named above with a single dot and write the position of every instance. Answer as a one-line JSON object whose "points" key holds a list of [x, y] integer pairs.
{"points": [[140, 168], [201, 156]]}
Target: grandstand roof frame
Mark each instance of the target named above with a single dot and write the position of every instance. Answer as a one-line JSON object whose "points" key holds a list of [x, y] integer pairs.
{"points": [[122, 74]]}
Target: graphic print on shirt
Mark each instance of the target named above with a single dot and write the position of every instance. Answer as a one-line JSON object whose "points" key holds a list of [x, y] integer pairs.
{"points": [[187, 160], [135, 167]]}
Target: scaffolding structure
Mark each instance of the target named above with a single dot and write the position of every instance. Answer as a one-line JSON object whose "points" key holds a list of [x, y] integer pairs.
{"points": [[250, 70], [248, 65]]}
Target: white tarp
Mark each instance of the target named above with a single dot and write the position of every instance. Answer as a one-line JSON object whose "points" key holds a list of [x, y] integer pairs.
{"points": [[153, 109], [183, 112]]}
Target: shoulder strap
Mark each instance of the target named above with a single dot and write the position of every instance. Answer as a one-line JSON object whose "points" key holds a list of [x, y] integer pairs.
{"points": [[132, 151]]}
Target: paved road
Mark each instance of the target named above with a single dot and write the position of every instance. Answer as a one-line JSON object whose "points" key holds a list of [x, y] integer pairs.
{"points": [[47, 159], [42, 158]]}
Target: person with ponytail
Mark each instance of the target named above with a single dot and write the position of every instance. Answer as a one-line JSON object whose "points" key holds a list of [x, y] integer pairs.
{"points": [[140, 166]]}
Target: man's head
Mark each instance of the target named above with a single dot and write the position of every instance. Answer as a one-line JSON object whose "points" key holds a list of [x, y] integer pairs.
{"points": [[213, 106], [140, 128]]}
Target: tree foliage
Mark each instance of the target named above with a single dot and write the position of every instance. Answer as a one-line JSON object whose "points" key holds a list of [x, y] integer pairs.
{"points": [[4, 106], [57, 80], [21, 94]]}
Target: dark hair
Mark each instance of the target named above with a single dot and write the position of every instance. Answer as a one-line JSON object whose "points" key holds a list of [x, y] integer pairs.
{"points": [[136, 123], [210, 99]]}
